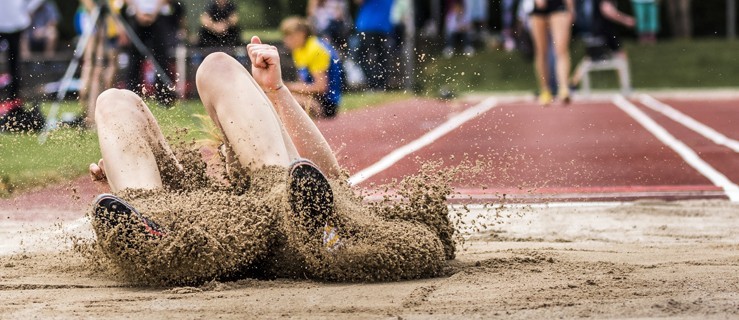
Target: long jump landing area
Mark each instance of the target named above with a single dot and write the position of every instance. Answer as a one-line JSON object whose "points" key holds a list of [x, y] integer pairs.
{"points": [[609, 207]]}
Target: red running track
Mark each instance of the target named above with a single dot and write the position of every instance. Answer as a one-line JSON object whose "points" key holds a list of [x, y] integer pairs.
{"points": [[587, 151], [722, 116]]}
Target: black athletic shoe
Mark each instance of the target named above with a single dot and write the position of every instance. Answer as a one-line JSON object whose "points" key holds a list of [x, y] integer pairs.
{"points": [[111, 210], [312, 201]]}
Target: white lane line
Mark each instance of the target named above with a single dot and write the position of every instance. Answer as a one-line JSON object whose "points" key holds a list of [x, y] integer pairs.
{"points": [[689, 122], [603, 204], [690, 157], [609, 195], [423, 141]]}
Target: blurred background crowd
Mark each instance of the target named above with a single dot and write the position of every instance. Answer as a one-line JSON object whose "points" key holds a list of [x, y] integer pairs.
{"points": [[331, 46]]}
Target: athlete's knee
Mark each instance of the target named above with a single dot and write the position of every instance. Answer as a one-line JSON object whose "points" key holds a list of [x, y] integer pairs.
{"points": [[215, 64], [113, 104], [118, 96]]}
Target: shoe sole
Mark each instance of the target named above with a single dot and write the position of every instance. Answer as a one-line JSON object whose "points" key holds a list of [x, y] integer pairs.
{"points": [[310, 196], [109, 209]]}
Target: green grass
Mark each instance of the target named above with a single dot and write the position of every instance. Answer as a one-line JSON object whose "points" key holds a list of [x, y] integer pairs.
{"points": [[360, 100], [683, 64], [24, 163], [704, 63], [487, 71]]}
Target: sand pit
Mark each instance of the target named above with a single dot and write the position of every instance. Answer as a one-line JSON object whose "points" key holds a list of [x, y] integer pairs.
{"points": [[644, 259]]}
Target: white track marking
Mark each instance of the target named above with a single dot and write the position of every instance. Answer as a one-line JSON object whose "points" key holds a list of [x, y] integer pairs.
{"points": [[495, 197], [689, 122], [603, 195], [690, 157], [423, 141], [605, 204]]}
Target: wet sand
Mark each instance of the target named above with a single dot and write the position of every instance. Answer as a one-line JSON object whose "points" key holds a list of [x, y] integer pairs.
{"points": [[645, 259]]}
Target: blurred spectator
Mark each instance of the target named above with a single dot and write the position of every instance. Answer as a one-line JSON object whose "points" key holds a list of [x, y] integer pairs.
{"points": [[476, 12], [428, 17], [14, 18], [319, 69], [156, 34], [647, 20], [43, 34], [330, 20], [522, 29], [399, 15], [173, 16], [604, 42], [457, 29], [604, 18], [552, 18], [219, 25], [507, 8], [373, 30]]}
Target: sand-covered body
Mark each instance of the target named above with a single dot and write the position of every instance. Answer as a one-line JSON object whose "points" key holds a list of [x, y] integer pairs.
{"points": [[243, 225]]}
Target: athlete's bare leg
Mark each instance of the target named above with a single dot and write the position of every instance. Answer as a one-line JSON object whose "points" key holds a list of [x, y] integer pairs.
{"points": [[131, 142], [238, 107]]}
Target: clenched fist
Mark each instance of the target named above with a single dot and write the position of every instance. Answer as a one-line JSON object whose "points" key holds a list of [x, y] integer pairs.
{"points": [[265, 61]]}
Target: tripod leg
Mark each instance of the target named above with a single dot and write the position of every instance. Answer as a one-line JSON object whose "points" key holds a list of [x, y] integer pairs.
{"points": [[95, 80], [65, 82]]}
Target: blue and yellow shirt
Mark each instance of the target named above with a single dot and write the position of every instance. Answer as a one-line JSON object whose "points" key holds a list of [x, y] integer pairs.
{"points": [[317, 56]]}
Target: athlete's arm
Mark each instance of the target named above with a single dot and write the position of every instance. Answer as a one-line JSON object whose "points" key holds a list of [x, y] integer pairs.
{"points": [[309, 142]]}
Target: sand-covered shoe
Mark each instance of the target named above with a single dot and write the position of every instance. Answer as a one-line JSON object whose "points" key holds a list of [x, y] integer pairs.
{"points": [[111, 210], [312, 201]]}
